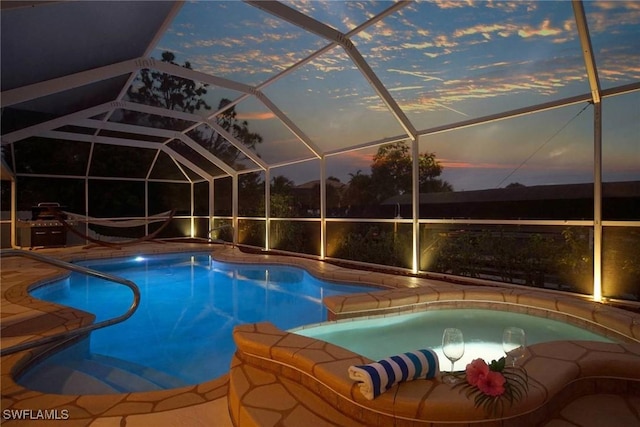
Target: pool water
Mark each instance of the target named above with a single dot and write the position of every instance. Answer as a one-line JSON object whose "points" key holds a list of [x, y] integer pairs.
{"points": [[189, 306], [383, 336]]}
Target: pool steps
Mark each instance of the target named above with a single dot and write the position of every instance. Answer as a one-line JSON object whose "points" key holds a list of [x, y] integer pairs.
{"points": [[75, 382], [98, 375]]}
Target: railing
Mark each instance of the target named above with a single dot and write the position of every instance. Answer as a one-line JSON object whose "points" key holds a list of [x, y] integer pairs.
{"points": [[84, 329]]}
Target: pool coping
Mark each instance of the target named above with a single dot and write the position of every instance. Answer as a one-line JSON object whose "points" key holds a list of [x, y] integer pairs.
{"points": [[557, 372], [17, 307]]}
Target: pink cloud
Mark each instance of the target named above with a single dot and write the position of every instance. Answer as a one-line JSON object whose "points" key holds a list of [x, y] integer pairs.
{"points": [[452, 164], [256, 115]]}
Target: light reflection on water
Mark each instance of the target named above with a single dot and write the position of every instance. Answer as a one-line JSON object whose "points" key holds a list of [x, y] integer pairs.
{"points": [[384, 336], [188, 307]]}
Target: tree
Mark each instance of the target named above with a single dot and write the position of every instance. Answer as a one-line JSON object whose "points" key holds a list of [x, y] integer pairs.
{"points": [[360, 194], [163, 90], [391, 172], [251, 194], [217, 144], [334, 195], [282, 201], [282, 185], [391, 175]]}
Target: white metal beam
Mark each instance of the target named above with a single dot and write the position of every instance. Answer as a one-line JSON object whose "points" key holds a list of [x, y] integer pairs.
{"points": [[179, 71], [81, 137], [301, 20], [290, 162], [415, 204], [508, 114], [396, 6], [60, 84], [587, 50], [297, 18], [380, 88], [179, 157], [164, 27], [290, 125], [124, 127], [126, 143], [234, 208], [323, 208], [163, 133], [392, 9], [197, 120], [181, 168], [205, 153], [387, 98], [152, 165], [482, 120], [239, 145], [167, 134], [54, 123], [597, 201], [267, 209], [156, 38], [378, 142], [594, 84], [142, 108]]}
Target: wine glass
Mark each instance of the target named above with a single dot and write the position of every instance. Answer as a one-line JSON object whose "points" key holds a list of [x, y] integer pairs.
{"points": [[453, 348], [514, 343]]}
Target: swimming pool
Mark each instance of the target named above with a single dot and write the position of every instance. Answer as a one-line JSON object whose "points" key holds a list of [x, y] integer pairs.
{"points": [[382, 336], [182, 329]]}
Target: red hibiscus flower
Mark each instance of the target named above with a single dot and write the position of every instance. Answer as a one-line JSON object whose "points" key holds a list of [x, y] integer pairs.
{"points": [[492, 383], [477, 369]]}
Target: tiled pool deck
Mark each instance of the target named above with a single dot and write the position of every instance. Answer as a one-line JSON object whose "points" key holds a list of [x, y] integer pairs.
{"points": [[281, 379]]}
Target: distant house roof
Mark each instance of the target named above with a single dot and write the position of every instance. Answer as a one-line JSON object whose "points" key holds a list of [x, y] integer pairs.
{"points": [[628, 189]]}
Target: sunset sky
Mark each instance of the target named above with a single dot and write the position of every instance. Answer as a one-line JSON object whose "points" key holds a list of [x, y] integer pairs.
{"points": [[442, 62]]}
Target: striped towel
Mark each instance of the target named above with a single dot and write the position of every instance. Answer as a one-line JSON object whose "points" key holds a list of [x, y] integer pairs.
{"points": [[377, 377]]}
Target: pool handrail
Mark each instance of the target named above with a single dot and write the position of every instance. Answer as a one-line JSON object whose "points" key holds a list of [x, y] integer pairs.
{"points": [[83, 329]]}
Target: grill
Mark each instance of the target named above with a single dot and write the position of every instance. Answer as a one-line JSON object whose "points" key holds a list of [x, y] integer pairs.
{"points": [[47, 211], [43, 230]]}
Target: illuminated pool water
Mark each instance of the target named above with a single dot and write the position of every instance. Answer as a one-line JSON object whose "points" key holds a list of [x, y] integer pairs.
{"points": [[380, 337], [183, 326]]}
